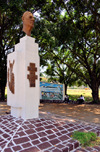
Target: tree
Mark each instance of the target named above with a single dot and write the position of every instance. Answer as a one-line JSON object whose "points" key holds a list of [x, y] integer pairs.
{"points": [[86, 44], [52, 52], [79, 32], [58, 72], [8, 36]]}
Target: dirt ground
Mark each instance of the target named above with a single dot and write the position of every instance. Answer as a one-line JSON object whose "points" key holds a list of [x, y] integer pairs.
{"points": [[85, 112]]}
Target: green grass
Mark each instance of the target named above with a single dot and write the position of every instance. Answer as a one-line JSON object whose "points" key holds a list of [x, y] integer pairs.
{"points": [[6, 93], [86, 138], [74, 94]]}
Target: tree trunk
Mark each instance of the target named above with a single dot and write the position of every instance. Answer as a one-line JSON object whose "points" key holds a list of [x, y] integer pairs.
{"points": [[65, 88], [95, 93], [2, 93]]}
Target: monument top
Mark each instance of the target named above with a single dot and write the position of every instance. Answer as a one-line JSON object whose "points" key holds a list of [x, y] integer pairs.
{"points": [[28, 22]]}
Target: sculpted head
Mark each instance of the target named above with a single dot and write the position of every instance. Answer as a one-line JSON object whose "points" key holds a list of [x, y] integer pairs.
{"points": [[28, 22]]}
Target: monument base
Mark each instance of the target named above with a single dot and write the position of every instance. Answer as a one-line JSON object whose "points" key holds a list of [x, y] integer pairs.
{"points": [[24, 114], [16, 112], [23, 85]]}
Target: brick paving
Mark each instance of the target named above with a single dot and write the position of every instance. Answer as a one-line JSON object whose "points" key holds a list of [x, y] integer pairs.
{"points": [[48, 133]]}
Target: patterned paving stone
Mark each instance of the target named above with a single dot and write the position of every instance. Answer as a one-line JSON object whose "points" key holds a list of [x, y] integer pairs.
{"points": [[31, 149], [42, 134]]}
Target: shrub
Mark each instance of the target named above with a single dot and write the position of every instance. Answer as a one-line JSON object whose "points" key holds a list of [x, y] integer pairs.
{"points": [[84, 138]]}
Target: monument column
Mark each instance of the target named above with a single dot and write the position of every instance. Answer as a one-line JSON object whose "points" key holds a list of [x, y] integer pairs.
{"points": [[23, 75], [23, 79]]}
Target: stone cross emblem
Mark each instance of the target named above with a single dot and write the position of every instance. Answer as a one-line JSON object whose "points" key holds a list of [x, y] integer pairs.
{"points": [[31, 76], [11, 78]]}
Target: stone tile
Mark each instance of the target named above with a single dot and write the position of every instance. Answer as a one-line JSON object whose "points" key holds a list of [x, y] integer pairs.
{"points": [[28, 144], [63, 138], [30, 126], [58, 134], [70, 146], [38, 124], [39, 129], [89, 148], [57, 124], [49, 131], [36, 121], [97, 147], [1, 140], [43, 139], [16, 148], [60, 146], [8, 150], [55, 130], [1, 132], [56, 150], [31, 149], [27, 122], [16, 136], [71, 125], [21, 133], [88, 128], [33, 137], [69, 134], [66, 126], [7, 130], [80, 150], [71, 129], [76, 144], [25, 127], [44, 123], [65, 149], [64, 132], [2, 146], [98, 133], [51, 136], [20, 129], [41, 134], [10, 144], [44, 145], [21, 140], [3, 143], [49, 127], [35, 142], [30, 131], [54, 141], [49, 122], [60, 128], [42, 119]]}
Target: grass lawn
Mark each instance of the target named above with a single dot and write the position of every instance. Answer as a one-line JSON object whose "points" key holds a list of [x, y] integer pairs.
{"points": [[75, 93]]}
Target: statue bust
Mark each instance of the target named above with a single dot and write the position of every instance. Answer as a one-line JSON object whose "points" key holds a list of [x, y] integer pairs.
{"points": [[28, 22]]}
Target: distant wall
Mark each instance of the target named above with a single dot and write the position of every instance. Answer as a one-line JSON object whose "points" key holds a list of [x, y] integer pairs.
{"points": [[51, 91]]}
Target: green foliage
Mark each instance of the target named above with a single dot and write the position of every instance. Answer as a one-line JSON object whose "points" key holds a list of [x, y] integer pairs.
{"points": [[77, 33], [84, 138]]}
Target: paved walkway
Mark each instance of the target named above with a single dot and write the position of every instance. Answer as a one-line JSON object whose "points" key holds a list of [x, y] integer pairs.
{"points": [[48, 133]]}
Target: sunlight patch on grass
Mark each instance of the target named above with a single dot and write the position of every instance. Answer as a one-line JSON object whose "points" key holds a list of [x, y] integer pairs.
{"points": [[74, 94]]}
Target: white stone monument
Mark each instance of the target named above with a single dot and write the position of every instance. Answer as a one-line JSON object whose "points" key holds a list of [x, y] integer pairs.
{"points": [[23, 93]]}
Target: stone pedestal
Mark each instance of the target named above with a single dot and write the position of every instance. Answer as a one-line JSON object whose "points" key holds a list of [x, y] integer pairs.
{"points": [[23, 93]]}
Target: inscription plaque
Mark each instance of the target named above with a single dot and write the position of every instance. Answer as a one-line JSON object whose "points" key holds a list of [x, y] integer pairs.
{"points": [[31, 76], [11, 79]]}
